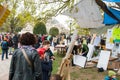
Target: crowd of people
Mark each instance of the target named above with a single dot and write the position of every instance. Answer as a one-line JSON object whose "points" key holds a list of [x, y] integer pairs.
{"points": [[32, 57], [38, 63]]}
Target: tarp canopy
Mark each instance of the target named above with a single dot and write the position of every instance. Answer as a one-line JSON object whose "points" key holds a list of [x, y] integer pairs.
{"points": [[112, 0], [101, 30], [86, 13], [108, 19]]}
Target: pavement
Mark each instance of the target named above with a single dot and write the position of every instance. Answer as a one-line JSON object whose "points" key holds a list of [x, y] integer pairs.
{"points": [[5, 65], [4, 68]]}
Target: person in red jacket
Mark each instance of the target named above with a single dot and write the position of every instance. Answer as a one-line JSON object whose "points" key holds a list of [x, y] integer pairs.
{"points": [[45, 47], [45, 60]]}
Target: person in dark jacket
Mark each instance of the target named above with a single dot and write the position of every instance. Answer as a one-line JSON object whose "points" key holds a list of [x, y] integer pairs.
{"points": [[15, 41], [10, 43], [20, 69], [46, 59], [5, 47]]}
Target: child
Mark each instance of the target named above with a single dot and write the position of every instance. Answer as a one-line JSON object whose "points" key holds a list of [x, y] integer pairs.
{"points": [[45, 60], [55, 77], [111, 76]]}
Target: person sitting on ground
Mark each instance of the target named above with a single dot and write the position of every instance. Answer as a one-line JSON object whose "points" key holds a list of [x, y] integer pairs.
{"points": [[111, 76], [84, 49]]}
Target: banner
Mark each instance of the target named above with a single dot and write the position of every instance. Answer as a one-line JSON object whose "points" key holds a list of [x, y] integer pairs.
{"points": [[109, 39]]}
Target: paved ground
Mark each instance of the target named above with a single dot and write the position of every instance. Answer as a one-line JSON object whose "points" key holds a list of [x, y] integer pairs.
{"points": [[4, 68]]}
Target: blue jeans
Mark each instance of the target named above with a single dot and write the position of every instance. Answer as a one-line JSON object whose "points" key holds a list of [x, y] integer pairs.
{"points": [[3, 52]]}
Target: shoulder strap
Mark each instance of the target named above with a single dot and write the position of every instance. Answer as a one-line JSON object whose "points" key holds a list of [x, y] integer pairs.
{"points": [[26, 57]]}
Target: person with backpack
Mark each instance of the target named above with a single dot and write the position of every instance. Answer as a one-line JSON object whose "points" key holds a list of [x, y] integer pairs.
{"points": [[5, 47]]}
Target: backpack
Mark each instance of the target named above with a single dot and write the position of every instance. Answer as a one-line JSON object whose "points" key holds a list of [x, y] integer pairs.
{"points": [[4, 45], [10, 43]]}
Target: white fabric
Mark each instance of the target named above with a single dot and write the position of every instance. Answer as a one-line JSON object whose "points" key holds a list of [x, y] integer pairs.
{"points": [[87, 14], [90, 52]]}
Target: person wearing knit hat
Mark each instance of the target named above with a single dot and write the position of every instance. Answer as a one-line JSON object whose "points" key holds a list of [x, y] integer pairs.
{"points": [[111, 76]]}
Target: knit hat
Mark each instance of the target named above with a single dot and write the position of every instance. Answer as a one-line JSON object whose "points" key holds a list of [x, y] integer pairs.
{"points": [[111, 73]]}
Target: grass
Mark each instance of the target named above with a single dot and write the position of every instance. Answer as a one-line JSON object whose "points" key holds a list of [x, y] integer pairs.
{"points": [[56, 63], [80, 73]]}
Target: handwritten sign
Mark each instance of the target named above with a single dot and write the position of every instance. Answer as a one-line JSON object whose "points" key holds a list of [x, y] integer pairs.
{"points": [[116, 33]]}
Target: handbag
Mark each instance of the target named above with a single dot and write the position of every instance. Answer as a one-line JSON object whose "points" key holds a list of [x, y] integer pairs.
{"points": [[26, 57]]}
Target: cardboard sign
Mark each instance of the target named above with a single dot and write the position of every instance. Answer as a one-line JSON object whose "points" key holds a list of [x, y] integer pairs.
{"points": [[79, 60], [103, 59]]}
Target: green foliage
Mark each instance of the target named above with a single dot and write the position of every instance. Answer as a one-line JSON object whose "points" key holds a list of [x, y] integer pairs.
{"points": [[28, 13], [54, 31], [39, 28]]}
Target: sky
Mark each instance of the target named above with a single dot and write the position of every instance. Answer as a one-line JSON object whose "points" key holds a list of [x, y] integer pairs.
{"points": [[63, 20]]}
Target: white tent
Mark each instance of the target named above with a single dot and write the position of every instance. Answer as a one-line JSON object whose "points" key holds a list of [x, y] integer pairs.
{"points": [[87, 14]]}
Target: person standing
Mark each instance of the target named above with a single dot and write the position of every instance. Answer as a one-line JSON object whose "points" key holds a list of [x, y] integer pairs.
{"points": [[5, 47], [10, 43], [15, 41], [46, 60], [20, 68]]}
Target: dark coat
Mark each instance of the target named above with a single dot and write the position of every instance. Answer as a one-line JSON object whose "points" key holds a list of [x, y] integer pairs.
{"points": [[20, 68], [46, 69]]}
